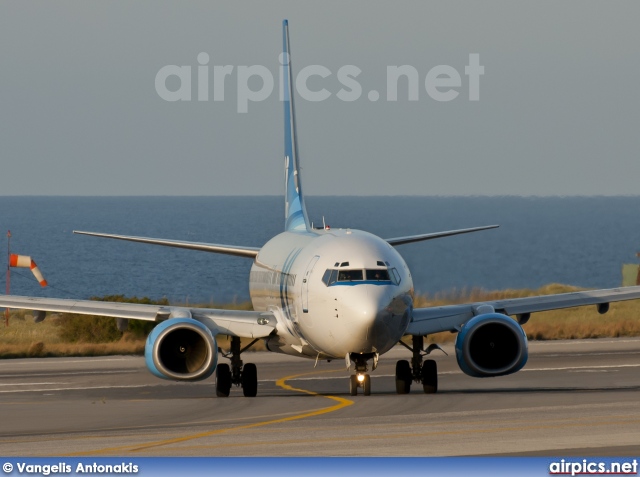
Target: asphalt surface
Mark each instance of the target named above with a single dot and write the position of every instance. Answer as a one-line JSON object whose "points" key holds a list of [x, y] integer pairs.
{"points": [[572, 398]]}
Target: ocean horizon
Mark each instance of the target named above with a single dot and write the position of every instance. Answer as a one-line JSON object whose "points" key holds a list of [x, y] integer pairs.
{"points": [[576, 240]]}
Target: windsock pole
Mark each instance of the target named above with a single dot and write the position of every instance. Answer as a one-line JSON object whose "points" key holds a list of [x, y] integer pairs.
{"points": [[6, 312], [22, 261]]}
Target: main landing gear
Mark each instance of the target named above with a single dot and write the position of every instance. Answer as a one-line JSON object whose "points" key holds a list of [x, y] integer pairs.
{"points": [[245, 376], [361, 379], [425, 373]]}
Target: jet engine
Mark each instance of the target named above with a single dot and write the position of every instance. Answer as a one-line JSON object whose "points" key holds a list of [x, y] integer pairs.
{"points": [[490, 345], [181, 349]]}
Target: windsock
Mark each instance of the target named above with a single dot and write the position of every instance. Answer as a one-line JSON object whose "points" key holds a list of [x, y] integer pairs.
{"points": [[23, 261]]}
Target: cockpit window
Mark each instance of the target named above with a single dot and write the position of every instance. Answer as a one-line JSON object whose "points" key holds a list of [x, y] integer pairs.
{"points": [[330, 276], [378, 275], [349, 275]]}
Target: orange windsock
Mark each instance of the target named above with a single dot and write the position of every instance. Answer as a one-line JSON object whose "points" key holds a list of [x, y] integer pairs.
{"points": [[24, 261]]}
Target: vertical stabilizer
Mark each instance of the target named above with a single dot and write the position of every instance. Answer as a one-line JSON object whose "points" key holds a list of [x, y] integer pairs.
{"points": [[294, 210]]}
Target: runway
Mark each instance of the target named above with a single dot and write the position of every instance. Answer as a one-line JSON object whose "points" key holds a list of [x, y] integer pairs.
{"points": [[572, 398]]}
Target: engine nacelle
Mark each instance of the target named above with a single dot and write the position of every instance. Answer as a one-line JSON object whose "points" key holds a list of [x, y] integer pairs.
{"points": [[491, 345], [182, 349]]}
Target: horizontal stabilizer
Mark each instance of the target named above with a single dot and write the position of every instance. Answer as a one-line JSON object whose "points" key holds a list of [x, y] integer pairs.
{"points": [[435, 235], [250, 252]]}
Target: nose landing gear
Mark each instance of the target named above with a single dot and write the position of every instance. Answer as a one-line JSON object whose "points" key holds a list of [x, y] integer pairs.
{"points": [[361, 379]]}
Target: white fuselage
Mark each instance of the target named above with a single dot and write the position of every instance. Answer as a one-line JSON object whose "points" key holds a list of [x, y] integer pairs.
{"points": [[334, 292]]}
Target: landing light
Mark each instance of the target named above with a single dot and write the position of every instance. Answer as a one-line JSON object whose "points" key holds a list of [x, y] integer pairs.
{"points": [[360, 377]]}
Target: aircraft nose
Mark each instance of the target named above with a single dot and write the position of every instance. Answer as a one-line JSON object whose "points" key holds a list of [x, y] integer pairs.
{"points": [[373, 325]]}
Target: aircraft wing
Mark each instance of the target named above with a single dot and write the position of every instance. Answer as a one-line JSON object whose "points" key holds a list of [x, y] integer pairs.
{"points": [[245, 324], [249, 252], [418, 238], [451, 318]]}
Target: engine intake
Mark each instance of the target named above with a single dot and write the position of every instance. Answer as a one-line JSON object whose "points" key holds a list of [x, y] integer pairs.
{"points": [[491, 345], [182, 349]]}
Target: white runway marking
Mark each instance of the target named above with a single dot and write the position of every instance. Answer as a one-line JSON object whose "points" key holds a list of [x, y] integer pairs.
{"points": [[572, 368], [581, 342], [75, 389], [594, 371], [58, 361], [574, 355], [311, 378], [75, 373]]}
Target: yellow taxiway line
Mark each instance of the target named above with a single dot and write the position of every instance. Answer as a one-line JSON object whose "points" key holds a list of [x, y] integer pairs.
{"points": [[341, 403]]}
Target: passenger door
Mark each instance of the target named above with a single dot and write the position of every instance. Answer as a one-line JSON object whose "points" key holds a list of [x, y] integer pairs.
{"points": [[305, 284]]}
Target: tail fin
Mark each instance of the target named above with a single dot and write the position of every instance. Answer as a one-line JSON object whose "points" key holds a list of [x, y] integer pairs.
{"points": [[294, 210]]}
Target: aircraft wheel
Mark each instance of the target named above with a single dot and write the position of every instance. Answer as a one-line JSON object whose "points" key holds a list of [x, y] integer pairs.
{"points": [[353, 385], [403, 377], [249, 380], [223, 380], [429, 376], [366, 385]]}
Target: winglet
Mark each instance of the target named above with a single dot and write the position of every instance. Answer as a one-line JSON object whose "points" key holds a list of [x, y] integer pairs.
{"points": [[295, 211]]}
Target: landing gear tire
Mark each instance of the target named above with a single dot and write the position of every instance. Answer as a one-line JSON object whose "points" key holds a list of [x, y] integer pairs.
{"points": [[366, 385], [429, 375], [403, 377], [223, 380], [249, 380], [353, 385]]}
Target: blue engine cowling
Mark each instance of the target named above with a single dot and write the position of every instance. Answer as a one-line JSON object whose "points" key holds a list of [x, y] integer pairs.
{"points": [[182, 349], [491, 345]]}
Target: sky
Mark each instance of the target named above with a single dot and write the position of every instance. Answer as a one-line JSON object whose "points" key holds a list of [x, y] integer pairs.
{"points": [[557, 109]]}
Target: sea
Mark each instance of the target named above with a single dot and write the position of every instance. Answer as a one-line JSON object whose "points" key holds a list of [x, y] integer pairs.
{"points": [[580, 241]]}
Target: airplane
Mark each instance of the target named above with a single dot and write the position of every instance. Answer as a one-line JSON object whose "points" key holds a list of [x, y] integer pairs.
{"points": [[325, 294]]}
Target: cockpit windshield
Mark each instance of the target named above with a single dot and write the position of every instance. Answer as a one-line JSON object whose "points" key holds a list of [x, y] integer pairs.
{"points": [[380, 276], [349, 275]]}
